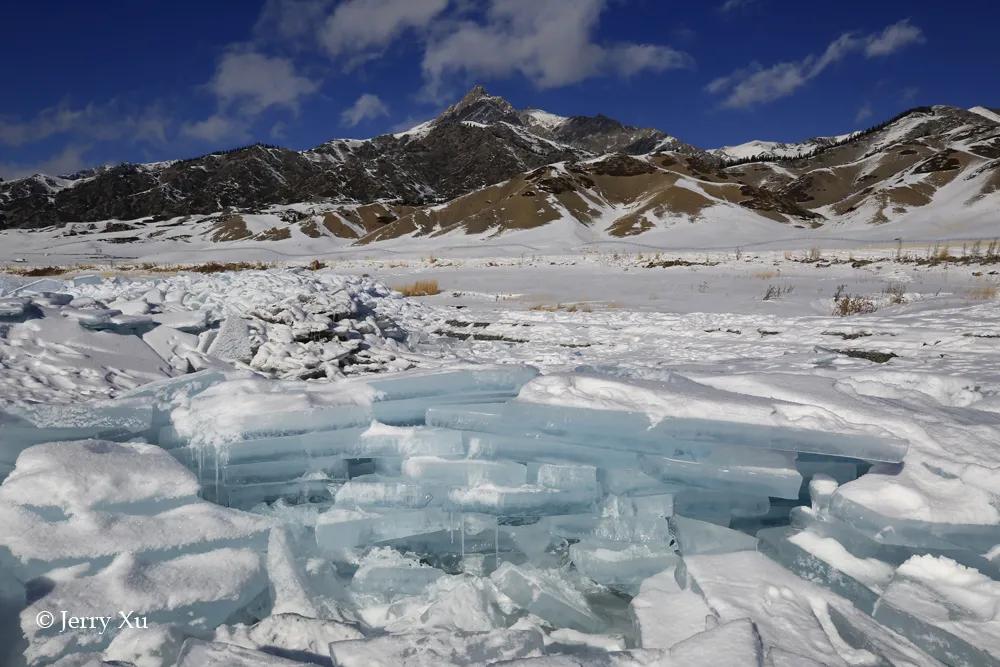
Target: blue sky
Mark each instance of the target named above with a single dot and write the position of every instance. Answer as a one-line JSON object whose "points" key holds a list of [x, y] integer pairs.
{"points": [[89, 83]]}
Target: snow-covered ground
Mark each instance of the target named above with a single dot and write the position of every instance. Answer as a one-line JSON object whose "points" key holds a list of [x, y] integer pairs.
{"points": [[598, 458]]}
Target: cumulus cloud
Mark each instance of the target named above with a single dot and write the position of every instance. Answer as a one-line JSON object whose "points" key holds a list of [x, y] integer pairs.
{"points": [[358, 26], [67, 161], [256, 82], [757, 85], [101, 122], [893, 38], [245, 84], [550, 43], [733, 6], [366, 107], [864, 113], [217, 127]]}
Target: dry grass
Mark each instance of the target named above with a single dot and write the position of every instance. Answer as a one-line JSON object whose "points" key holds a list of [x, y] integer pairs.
{"points": [[983, 293], [316, 265], [419, 288], [220, 267], [766, 275], [562, 307], [846, 305]]}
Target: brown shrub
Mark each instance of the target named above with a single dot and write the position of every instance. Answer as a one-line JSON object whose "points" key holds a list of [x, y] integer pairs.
{"points": [[419, 288]]}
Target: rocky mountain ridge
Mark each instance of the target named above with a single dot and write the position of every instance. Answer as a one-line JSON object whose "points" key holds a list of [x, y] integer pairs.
{"points": [[484, 168]]}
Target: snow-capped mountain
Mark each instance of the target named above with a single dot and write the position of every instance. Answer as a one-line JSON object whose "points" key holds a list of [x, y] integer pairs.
{"points": [[485, 168]]}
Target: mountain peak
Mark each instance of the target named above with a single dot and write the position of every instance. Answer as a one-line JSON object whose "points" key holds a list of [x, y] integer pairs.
{"points": [[478, 106]]}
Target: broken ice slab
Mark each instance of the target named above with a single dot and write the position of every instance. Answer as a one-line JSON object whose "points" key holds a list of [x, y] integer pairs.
{"points": [[521, 501], [260, 425], [620, 565], [372, 441], [296, 637], [197, 590], [633, 431], [188, 321], [563, 476], [733, 643], [979, 538], [464, 472], [438, 649], [341, 528], [507, 379], [386, 574], [200, 653], [17, 310], [825, 561], [319, 467], [246, 496], [548, 594], [702, 537], [24, 426], [378, 491], [97, 475], [635, 519], [413, 411], [664, 612], [541, 449], [163, 393], [718, 506], [947, 609], [863, 545], [731, 469]]}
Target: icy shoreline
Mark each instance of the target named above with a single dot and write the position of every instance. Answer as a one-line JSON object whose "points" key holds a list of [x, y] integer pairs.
{"points": [[772, 508]]}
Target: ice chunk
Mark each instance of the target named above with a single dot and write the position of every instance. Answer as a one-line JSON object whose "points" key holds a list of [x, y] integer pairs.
{"points": [[825, 561], [200, 589], [549, 595], [376, 491], [297, 589], [290, 636], [507, 379], [525, 500], [99, 475], [199, 653], [730, 468], [188, 321], [464, 472], [341, 528], [947, 609], [438, 649], [664, 613], [657, 413], [152, 646], [385, 574], [618, 565], [233, 342], [635, 519], [17, 310], [701, 537], [979, 537], [523, 448], [732, 644], [23, 426], [568, 477]]}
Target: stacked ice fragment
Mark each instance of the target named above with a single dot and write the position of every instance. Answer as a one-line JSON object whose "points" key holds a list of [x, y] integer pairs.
{"points": [[480, 515]]}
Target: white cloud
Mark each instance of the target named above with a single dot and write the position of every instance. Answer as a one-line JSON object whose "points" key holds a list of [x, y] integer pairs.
{"points": [[550, 43], [733, 6], [255, 82], [864, 113], [217, 127], [102, 122], [357, 26], [757, 85], [366, 107], [894, 38], [67, 161]]}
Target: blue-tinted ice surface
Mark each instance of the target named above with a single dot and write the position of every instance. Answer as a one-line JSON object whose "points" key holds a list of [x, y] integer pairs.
{"points": [[448, 502]]}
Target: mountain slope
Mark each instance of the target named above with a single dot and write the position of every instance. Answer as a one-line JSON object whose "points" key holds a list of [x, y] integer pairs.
{"points": [[484, 169]]}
